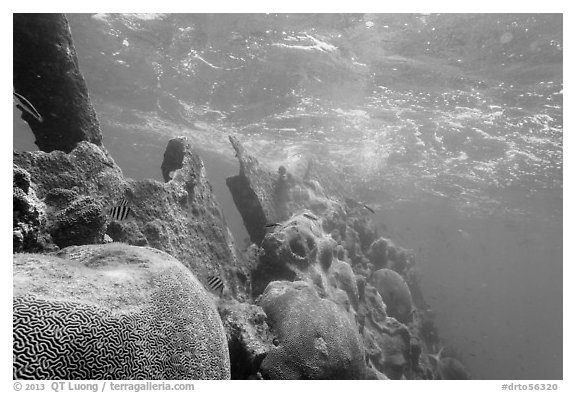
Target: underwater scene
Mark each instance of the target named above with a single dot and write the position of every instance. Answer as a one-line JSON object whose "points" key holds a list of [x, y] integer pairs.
{"points": [[287, 196]]}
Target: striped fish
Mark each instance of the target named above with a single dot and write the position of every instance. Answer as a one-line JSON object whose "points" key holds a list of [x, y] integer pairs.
{"points": [[216, 284], [120, 212], [24, 105]]}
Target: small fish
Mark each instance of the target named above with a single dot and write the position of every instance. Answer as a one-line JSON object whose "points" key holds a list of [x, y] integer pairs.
{"points": [[369, 208], [24, 105], [310, 216], [271, 225], [216, 284], [120, 212]]}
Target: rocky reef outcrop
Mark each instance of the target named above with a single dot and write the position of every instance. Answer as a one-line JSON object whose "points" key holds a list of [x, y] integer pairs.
{"points": [[320, 258], [113, 312], [173, 157], [28, 214], [253, 193], [74, 192], [46, 73]]}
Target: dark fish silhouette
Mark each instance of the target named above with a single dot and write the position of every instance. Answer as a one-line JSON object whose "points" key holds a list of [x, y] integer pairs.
{"points": [[216, 284], [310, 216], [120, 212], [369, 208], [25, 105], [271, 225]]}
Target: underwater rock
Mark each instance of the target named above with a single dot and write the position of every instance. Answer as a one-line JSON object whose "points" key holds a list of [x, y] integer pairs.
{"points": [[46, 73], [180, 217], [326, 252], [86, 170], [384, 254], [395, 293], [113, 312], [130, 233], [154, 233], [263, 197], [82, 222], [340, 253], [60, 198], [173, 157], [286, 253], [27, 213], [386, 340], [253, 193], [400, 259], [307, 250], [378, 252], [373, 308], [316, 338], [249, 337], [20, 179], [300, 250], [69, 190]]}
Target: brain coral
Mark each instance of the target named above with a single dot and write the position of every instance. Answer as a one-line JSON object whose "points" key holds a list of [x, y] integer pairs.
{"points": [[113, 312], [394, 292], [316, 338]]}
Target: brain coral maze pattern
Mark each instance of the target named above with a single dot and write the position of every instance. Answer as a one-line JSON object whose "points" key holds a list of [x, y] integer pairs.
{"points": [[68, 340]]}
